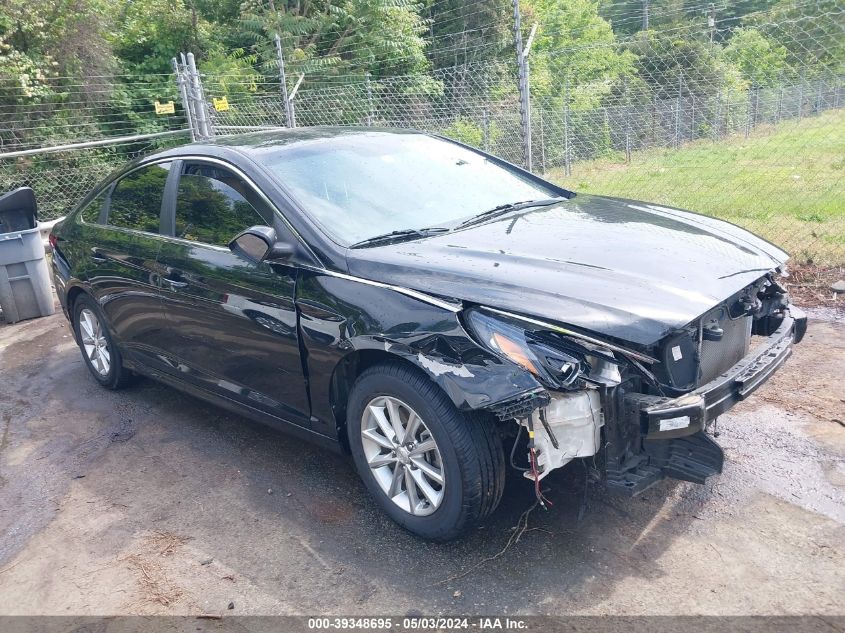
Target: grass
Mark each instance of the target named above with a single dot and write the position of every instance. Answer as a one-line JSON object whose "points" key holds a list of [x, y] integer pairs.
{"points": [[785, 183]]}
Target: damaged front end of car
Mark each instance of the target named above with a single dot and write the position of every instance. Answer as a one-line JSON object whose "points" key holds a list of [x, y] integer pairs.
{"points": [[641, 413]]}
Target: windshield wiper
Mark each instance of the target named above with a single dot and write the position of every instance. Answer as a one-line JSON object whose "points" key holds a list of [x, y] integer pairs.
{"points": [[507, 208], [396, 236]]}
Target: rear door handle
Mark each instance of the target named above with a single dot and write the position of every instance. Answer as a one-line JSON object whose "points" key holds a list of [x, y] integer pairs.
{"points": [[97, 258]]}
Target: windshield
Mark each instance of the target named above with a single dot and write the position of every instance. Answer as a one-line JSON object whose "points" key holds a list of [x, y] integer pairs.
{"points": [[361, 185]]}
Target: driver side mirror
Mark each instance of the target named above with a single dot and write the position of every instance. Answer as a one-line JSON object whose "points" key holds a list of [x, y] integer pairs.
{"points": [[259, 244]]}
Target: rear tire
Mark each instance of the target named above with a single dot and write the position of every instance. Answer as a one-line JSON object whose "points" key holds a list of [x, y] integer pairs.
{"points": [[98, 349], [457, 481]]}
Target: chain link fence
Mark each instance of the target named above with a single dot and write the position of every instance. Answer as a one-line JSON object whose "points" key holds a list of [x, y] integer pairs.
{"points": [[747, 124], [62, 135]]}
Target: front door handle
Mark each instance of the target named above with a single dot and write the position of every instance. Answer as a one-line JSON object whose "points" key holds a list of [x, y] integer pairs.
{"points": [[175, 284], [97, 258]]}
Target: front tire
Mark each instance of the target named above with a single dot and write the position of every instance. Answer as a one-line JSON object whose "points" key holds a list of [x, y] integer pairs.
{"points": [[98, 349], [435, 471]]}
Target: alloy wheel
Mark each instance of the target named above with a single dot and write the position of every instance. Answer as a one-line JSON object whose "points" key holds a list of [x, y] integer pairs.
{"points": [[94, 342], [403, 455]]}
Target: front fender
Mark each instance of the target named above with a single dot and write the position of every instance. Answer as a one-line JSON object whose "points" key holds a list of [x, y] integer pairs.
{"points": [[340, 318]]}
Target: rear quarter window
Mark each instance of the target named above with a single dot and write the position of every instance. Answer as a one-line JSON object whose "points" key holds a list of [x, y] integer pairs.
{"points": [[90, 213]]}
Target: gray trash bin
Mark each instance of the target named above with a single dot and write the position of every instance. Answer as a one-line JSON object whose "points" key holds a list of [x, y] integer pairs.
{"points": [[25, 291]]}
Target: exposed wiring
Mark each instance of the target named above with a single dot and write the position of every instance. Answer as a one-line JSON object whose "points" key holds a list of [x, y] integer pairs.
{"points": [[532, 454], [549, 428], [650, 377]]}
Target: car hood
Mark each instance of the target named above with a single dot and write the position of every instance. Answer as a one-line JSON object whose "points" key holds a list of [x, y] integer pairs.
{"points": [[630, 270]]}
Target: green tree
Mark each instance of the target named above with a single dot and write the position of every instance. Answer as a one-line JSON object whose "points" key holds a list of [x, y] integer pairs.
{"points": [[761, 61], [574, 45], [671, 63], [812, 33], [151, 32], [382, 37], [466, 32], [63, 37]]}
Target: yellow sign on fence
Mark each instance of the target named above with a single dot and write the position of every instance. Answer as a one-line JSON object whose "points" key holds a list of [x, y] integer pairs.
{"points": [[165, 108], [221, 104]]}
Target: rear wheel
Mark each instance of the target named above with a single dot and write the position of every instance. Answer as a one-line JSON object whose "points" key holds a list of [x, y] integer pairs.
{"points": [[432, 469], [99, 352]]}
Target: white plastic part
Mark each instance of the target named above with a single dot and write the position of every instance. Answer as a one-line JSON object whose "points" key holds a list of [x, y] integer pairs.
{"points": [[575, 419], [45, 228]]}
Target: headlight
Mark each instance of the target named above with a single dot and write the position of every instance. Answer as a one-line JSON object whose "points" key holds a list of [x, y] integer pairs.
{"points": [[508, 340]]}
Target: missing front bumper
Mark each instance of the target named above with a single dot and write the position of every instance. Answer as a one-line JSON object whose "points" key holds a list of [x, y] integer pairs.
{"points": [[672, 430], [668, 418]]}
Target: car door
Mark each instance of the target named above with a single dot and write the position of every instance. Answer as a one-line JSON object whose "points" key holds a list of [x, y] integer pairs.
{"points": [[233, 322], [121, 246]]}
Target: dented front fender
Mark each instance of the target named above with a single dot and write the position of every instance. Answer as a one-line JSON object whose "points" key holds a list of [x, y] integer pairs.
{"points": [[340, 317]]}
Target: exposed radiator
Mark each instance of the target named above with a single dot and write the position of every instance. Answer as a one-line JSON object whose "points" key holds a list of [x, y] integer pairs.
{"points": [[719, 356]]}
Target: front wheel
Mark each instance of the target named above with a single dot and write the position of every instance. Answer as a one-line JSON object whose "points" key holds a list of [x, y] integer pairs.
{"points": [[433, 470]]}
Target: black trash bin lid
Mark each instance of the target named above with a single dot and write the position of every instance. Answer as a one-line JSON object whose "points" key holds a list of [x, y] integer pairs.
{"points": [[18, 210]]}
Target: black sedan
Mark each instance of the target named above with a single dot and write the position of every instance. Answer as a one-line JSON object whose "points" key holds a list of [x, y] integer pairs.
{"points": [[436, 312]]}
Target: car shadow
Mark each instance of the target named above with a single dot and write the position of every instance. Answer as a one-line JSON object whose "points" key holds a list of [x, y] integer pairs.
{"points": [[588, 532], [259, 498]]}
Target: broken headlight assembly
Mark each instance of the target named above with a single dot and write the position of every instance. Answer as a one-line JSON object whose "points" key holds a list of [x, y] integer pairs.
{"points": [[556, 361]]}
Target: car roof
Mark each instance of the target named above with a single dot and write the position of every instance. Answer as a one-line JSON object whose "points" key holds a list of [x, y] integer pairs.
{"points": [[250, 143], [288, 136]]}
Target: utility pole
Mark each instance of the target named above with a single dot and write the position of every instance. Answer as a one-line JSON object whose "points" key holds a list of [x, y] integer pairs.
{"points": [[524, 97], [711, 21], [645, 15], [524, 86]]}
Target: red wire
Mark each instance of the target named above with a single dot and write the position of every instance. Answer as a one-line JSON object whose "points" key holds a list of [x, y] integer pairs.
{"points": [[540, 496]]}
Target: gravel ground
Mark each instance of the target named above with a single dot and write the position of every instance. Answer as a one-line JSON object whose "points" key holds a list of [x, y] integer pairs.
{"points": [[148, 501]]}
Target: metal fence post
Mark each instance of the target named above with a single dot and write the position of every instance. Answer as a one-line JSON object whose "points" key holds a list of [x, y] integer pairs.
{"points": [[627, 124], [693, 131], [200, 111], [652, 128], [183, 95], [524, 97], [748, 112], [189, 95], [292, 113], [717, 115], [678, 111], [542, 142], [283, 81], [801, 97], [485, 129], [291, 97], [369, 101], [567, 164]]}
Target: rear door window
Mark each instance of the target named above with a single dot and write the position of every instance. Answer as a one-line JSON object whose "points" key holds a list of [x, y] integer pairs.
{"points": [[212, 206], [136, 199]]}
